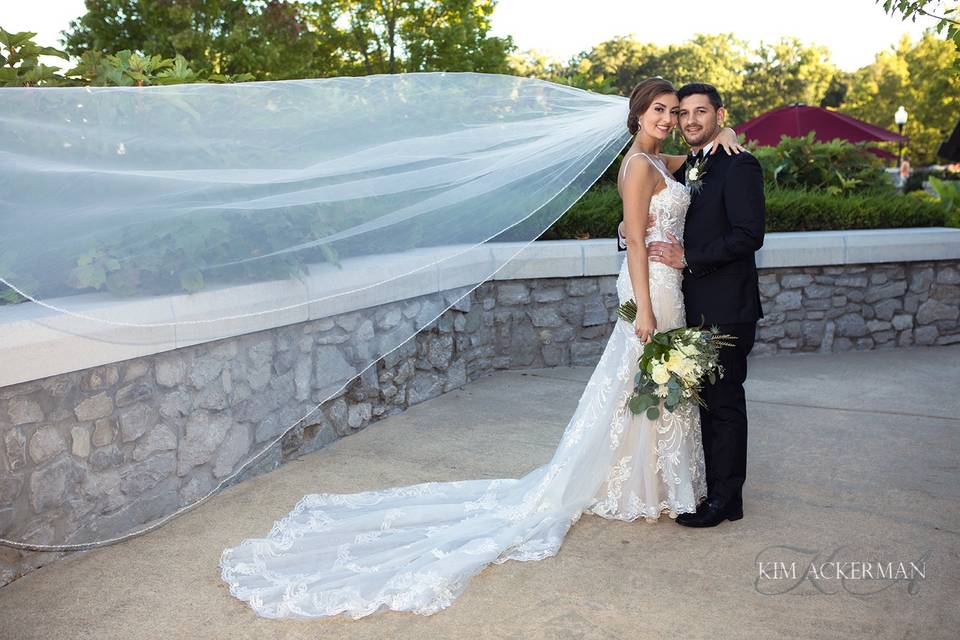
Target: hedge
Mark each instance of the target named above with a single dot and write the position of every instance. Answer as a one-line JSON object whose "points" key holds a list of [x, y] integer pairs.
{"points": [[597, 214]]}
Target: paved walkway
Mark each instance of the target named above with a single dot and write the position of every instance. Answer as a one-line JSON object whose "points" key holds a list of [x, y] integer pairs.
{"points": [[855, 453]]}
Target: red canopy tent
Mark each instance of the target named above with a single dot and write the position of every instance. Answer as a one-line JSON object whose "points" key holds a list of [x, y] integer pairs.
{"points": [[798, 120]]}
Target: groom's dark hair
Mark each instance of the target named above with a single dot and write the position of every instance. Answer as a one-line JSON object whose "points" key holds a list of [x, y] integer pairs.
{"points": [[701, 87]]}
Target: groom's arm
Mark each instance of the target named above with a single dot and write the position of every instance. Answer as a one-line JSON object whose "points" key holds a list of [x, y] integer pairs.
{"points": [[744, 202]]}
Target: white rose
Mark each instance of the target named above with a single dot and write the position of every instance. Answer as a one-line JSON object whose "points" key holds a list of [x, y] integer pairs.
{"points": [[694, 173], [660, 374]]}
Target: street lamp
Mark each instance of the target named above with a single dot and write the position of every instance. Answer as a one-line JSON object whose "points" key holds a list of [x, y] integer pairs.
{"points": [[900, 117]]}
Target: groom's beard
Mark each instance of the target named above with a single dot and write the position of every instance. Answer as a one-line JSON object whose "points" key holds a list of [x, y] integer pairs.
{"points": [[702, 136]]}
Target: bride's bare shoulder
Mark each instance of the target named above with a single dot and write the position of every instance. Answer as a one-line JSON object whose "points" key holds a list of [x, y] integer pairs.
{"points": [[637, 170], [638, 174]]}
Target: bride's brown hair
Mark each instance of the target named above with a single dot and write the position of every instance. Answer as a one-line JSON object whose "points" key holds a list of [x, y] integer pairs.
{"points": [[641, 97]]}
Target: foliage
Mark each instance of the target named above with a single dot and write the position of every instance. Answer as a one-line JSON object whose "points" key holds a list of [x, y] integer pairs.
{"points": [[948, 194], [128, 69], [750, 80], [837, 166], [598, 213], [20, 64], [948, 19], [19, 55], [922, 76], [783, 73], [798, 210], [281, 40], [918, 176], [226, 37]]}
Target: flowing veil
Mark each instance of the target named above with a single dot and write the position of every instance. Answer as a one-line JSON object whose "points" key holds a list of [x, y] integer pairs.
{"points": [[155, 218]]}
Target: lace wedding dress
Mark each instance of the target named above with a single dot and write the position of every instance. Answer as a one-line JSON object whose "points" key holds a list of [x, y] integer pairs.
{"points": [[415, 548]]}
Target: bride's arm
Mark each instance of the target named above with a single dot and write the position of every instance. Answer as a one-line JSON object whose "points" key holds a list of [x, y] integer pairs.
{"points": [[727, 139], [638, 183]]}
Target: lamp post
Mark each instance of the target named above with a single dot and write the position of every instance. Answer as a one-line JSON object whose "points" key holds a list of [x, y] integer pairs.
{"points": [[900, 117]]}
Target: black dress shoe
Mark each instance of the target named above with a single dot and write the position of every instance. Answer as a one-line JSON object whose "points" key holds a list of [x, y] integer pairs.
{"points": [[711, 513]]}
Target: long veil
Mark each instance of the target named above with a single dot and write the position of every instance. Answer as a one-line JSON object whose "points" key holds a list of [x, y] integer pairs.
{"points": [[145, 219]]}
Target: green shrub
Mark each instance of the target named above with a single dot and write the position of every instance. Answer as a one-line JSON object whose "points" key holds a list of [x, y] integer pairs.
{"points": [[798, 210], [948, 199], [597, 214], [837, 167]]}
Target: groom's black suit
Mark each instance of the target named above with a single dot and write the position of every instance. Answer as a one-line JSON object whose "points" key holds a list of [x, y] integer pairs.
{"points": [[724, 228]]}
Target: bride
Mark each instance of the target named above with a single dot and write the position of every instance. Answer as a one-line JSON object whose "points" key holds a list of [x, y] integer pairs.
{"points": [[415, 548]]}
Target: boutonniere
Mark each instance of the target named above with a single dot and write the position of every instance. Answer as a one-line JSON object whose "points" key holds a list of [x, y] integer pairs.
{"points": [[695, 174]]}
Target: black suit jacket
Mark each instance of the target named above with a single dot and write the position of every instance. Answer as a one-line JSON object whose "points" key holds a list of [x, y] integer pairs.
{"points": [[723, 230]]}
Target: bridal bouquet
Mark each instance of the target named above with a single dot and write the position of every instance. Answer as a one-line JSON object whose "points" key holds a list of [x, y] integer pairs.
{"points": [[674, 365]]}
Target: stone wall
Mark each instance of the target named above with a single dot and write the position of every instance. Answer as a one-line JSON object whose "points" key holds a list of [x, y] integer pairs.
{"points": [[91, 454], [829, 309]]}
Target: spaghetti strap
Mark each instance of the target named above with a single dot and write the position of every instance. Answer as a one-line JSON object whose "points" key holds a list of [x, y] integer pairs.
{"points": [[654, 161]]}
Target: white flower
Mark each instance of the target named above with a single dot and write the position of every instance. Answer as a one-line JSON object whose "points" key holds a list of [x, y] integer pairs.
{"points": [[660, 374], [694, 173], [662, 391]]}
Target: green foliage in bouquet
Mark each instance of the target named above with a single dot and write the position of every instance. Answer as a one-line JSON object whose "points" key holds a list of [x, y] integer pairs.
{"points": [[674, 366]]}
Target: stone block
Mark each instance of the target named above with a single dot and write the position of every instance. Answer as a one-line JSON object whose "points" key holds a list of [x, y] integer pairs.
{"points": [[46, 443], [581, 287], [796, 280], [98, 406], [933, 310], [884, 291], [788, 300], [510, 294], [49, 484], [170, 370], [99, 379], [544, 317], [925, 335], [136, 420], [80, 440], [920, 280], [132, 393], [204, 433]]}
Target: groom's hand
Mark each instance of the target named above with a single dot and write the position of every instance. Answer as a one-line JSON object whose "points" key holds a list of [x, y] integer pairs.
{"points": [[669, 253]]}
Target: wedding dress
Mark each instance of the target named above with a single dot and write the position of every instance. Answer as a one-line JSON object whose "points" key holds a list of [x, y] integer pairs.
{"points": [[415, 548]]}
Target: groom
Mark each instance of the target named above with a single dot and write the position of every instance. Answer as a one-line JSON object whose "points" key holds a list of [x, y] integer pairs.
{"points": [[724, 228]]}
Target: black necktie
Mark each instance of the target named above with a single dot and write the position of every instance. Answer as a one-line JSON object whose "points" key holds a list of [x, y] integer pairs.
{"points": [[693, 157]]}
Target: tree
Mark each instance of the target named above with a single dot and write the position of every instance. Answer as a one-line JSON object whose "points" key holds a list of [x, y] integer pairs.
{"points": [[918, 75], [786, 72], [948, 19], [268, 39], [278, 39]]}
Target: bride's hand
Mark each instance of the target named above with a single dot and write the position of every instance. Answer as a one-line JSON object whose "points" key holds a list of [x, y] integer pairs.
{"points": [[644, 325], [728, 140]]}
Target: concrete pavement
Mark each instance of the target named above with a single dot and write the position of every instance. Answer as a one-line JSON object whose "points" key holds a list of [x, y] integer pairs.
{"points": [[852, 457]]}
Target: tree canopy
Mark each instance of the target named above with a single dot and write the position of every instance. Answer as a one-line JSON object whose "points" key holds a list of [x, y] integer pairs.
{"points": [[279, 40]]}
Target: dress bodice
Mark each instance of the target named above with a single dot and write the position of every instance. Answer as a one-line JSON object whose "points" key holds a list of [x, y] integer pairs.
{"points": [[669, 205], [669, 208]]}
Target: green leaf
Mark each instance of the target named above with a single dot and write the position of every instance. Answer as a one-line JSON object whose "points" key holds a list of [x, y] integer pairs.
{"points": [[191, 280], [653, 413]]}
